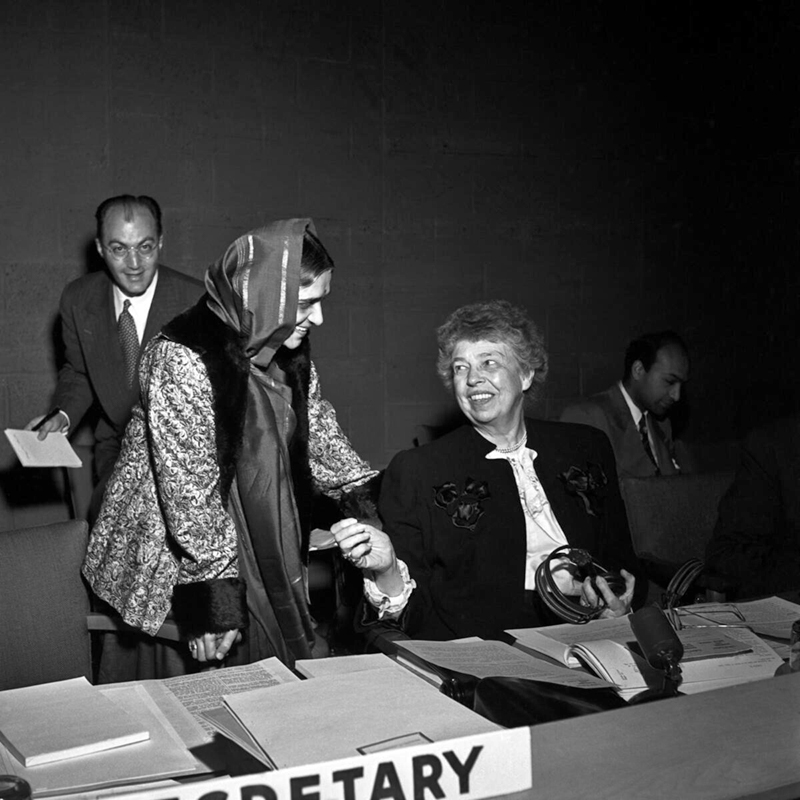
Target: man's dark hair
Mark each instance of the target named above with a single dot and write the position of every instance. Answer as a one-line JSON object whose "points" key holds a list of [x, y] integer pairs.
{"points": [[128, 203], [645, 349]]}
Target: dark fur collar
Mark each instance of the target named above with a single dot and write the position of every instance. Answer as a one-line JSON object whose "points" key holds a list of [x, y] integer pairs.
{"points": [[221, 350]]}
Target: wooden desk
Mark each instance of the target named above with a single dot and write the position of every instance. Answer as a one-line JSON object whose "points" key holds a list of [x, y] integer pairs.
{"points": [[738, 742]]}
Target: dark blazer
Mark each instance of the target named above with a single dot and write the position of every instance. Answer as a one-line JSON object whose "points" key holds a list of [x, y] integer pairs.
{"points": [[93, 372], [608, 412], [757, 537], [472, 582]]}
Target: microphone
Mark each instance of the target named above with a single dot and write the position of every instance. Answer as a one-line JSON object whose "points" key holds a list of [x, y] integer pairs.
{"points": [[660, 644], [661, 648]]}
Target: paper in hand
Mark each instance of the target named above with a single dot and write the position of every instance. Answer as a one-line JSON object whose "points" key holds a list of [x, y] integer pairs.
{"points": [[52, 451]]}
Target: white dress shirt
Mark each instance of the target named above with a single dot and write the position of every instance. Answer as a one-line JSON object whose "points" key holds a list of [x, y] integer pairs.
{"points": [[637, 414], [139, 307]]}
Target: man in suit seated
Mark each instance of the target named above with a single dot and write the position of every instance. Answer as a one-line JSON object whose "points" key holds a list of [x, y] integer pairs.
{"points": [[634, 413], [756, 541], [130, 300]]}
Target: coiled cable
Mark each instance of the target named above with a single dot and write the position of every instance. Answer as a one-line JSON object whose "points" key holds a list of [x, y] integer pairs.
{"points": [[562, 605]]}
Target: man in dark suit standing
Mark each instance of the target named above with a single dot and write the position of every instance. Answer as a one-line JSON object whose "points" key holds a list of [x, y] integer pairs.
{"points": [[634, 413], [106, 318]]}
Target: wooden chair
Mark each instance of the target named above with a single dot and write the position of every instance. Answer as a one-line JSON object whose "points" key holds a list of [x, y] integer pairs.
{"points": [[671, 519]]}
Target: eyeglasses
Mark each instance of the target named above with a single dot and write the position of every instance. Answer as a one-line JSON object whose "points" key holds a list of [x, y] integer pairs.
{"points": [[707, 615], [118, 251]]}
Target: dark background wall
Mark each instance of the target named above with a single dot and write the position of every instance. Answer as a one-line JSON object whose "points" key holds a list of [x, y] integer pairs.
{"points": [[612, 169]]}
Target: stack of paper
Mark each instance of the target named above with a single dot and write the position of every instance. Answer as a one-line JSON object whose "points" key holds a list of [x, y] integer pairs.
{"points": [[65, 719], [161, 754]]}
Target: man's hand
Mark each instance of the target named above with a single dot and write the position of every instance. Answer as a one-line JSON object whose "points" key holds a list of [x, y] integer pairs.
{"points": [[57, 424]]}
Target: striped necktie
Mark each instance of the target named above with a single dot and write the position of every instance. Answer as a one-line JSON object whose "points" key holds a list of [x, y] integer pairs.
{"points": [[646, 442], [129, 340]]}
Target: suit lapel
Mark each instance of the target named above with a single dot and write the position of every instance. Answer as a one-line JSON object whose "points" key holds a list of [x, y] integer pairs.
{"points": [[663, 448], [568, 510], [632, 457]]}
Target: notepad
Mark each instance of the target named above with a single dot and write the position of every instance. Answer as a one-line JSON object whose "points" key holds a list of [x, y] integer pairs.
{"points": [[64, 719], [52, 451]]}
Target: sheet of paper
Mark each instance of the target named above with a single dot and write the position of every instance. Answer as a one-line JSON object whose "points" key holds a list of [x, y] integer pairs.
{"points": [[52, 451], [320, 539], [709, 643], [772, 616], [760, 662], [495, 659], [226, 723], [344, 665], [184, 699], [204, 691], [343, 715]]}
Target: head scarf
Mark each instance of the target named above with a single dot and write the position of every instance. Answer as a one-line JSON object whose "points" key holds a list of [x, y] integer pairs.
{"points": [[253, 289]]}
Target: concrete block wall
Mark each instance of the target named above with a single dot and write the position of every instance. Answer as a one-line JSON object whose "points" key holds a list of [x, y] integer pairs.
{"points": [[448, 152]]}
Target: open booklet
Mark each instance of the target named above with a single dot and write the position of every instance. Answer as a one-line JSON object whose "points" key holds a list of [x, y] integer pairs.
{"points": [[713, 657], [568, 643]]}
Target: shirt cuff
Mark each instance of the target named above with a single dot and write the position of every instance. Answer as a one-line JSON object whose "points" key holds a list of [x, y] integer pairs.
{"points": [[386, 605]]}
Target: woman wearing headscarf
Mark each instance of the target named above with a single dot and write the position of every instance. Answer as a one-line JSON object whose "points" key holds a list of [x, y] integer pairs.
{"points": [[469, 518], [207, 514]]}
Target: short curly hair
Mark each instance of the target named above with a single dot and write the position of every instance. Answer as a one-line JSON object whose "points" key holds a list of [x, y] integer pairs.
{"points": [[494, 321]]}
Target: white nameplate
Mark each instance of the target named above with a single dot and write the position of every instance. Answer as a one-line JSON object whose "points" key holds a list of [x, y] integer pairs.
{"points": [[486, 765]]}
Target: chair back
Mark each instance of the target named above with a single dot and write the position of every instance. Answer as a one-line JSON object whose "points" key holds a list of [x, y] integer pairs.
{"points": [[43, 605], [672, 518]]}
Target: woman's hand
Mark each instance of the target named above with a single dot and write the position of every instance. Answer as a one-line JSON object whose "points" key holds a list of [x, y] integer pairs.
{"points": [[213, 646], [615, 606], [364, 546]]}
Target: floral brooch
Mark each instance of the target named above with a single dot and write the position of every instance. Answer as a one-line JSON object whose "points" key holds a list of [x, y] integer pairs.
{"points": [[589, 485], [465, 507]]}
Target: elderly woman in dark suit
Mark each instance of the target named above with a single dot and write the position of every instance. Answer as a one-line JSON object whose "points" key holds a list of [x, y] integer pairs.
{"points": [[469, 518]]}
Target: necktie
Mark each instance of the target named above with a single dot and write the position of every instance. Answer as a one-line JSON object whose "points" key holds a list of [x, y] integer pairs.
{"points": [[646, 442], [129, 340]]}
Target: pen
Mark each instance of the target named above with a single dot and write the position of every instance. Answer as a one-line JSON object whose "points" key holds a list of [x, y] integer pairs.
{"points": [[45, 418]]}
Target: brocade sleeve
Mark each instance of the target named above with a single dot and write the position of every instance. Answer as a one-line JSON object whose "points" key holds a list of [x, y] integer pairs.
{"points": [[180, 420], [335, 465]]}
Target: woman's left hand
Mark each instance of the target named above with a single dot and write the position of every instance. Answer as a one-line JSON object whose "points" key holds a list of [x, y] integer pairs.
{"points": [[616, 606], [213, 646]]}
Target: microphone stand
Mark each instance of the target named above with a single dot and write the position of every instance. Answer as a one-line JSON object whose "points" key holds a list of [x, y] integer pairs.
{"points": [[669, 686]]}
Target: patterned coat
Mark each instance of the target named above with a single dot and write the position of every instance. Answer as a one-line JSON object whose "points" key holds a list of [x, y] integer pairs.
{"points": [[164, 522]]}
